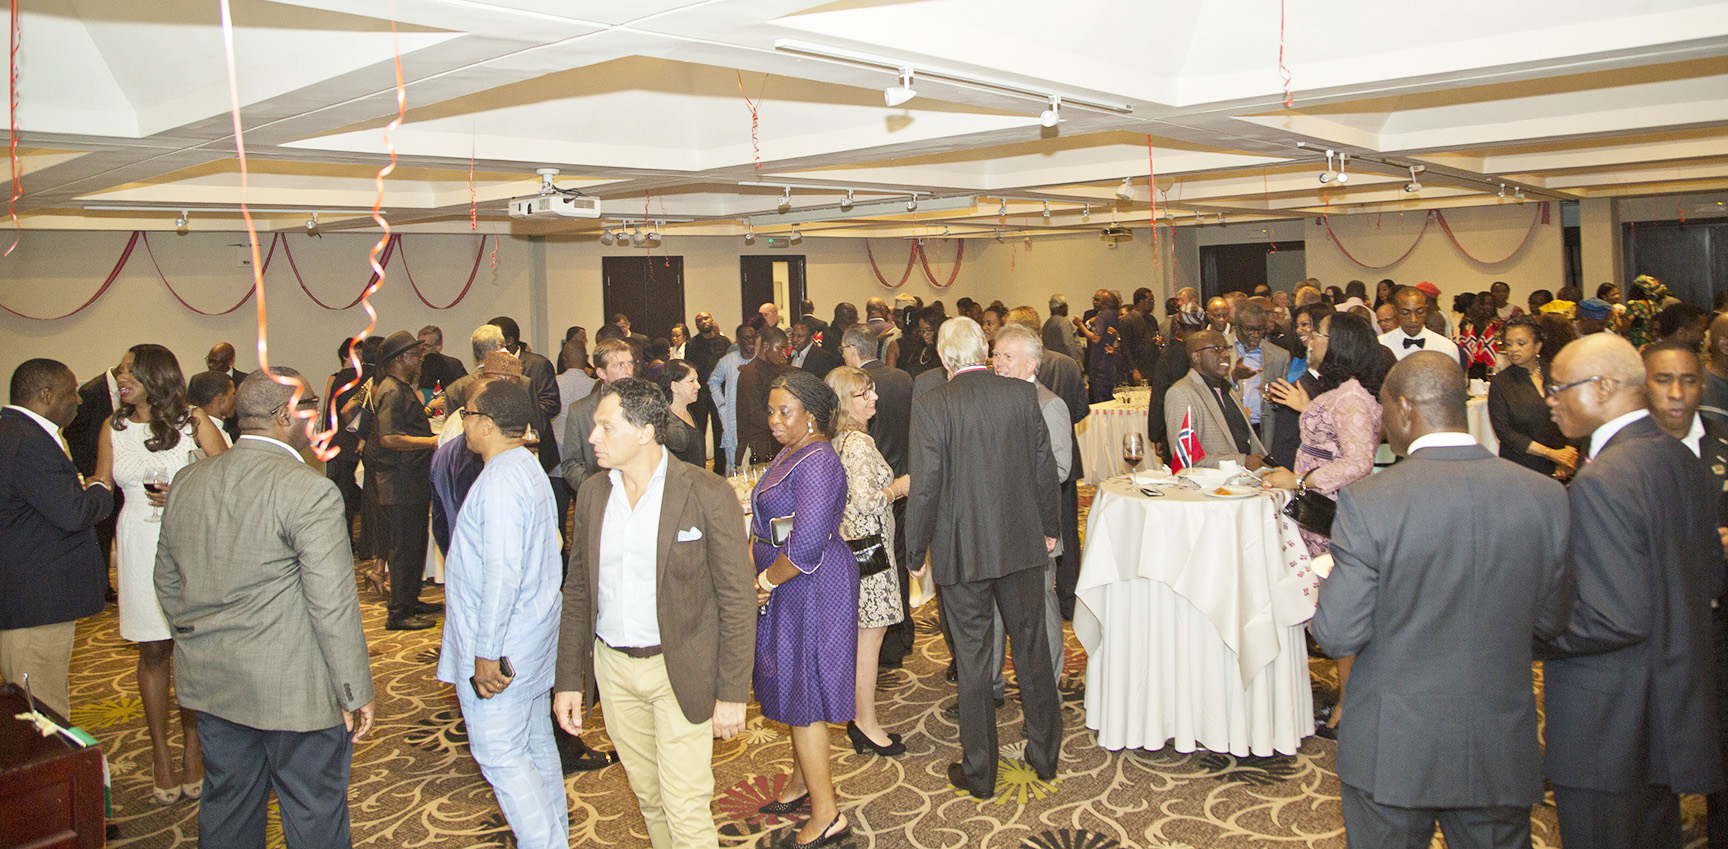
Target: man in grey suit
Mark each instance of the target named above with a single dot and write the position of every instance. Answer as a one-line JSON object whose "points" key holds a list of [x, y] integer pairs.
{"points": [[1255, 365], [1061, 374], [1441, 611], [254, 574], [981, 433], [1220, 420], [613, 360], [1631, 681], [1059, 331]]}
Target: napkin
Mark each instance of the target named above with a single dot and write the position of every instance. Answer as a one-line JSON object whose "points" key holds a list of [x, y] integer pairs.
{"points": [[1155, 476]]}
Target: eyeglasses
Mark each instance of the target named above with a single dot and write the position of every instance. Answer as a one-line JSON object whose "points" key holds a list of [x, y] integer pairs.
{"points": [[1554, 390], [1209, 348], [467, 412], [310, 402]]}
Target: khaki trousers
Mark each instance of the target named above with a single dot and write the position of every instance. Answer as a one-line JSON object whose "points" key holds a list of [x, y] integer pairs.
{"points": [[668, 759], [45, 654]]}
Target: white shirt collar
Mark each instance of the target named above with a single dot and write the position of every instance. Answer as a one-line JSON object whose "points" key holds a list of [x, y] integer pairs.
{"points": [[617, 477], [285, 446], [52, 428], [1441, 439], [1694, 437], [1606, 432]]}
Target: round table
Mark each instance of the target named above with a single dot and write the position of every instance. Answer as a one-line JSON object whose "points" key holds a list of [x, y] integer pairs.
{"points": [[1099, 435], [1191, 612], [1480, 426]]}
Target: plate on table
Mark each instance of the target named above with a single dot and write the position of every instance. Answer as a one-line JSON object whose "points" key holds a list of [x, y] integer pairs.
{"points": [[1231, 491]]}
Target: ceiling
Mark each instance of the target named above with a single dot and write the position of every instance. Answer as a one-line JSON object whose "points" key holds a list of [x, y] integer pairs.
{"points": [[647, 106]]}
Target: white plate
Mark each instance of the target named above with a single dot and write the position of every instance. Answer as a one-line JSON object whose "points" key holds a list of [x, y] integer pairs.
{"points": [[1235, 491]]}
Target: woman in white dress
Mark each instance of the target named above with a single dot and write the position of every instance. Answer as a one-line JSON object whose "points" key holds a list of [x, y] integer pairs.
{"points": [[150, 437]]}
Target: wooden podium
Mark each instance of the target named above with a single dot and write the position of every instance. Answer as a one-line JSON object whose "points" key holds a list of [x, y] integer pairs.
{"points": [[50, 788]]}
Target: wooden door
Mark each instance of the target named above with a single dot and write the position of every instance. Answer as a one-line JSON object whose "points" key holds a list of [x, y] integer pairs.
{"points": [[648, 289]]}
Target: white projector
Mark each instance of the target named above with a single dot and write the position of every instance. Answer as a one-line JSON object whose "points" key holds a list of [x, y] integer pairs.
{"points": [[555, 206], [1115, 234]]}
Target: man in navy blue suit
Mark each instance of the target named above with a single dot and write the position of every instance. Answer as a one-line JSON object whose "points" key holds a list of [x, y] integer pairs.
{"points": [[51, 570]]}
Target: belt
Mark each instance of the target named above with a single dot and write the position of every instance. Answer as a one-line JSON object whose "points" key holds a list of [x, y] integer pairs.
{"points": [[638, 652]]}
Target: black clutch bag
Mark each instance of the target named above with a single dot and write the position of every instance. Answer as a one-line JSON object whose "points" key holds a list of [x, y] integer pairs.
{"points": [[872, 557], [1311, 510]]}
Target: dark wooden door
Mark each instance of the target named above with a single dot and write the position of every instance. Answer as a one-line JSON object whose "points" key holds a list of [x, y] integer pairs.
{"points": [[1231, 268], [1691, 259], [648, 289], [756, 279]]}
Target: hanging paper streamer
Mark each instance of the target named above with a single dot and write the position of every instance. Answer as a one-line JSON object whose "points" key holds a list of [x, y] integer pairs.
{"points": [[164, 278], [755, 115], [245, 208], [1536, 217], [472, 273], [959, 254], [1326, 221], [1283, 70], [911, 257], [1152, 196], [100, 290], [473, 199], [17, 37], [371, 283]]}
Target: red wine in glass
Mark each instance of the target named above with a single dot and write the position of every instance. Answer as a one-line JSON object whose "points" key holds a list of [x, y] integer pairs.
{"points": [[154, 487], [1133, 450]]}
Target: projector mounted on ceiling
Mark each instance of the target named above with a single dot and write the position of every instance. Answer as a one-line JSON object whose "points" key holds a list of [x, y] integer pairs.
{"points": [[1114, 234], [553, 202]]}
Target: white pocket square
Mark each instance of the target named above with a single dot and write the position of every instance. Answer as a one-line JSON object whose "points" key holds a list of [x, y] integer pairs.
{"points": [[691, 535]]}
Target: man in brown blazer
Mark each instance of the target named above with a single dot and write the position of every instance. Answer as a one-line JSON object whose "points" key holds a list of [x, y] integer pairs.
{"points": [[659, 612]]}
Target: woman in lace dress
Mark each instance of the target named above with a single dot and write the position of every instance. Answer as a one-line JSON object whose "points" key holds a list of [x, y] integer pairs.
{"points": [[871, 490], [1340, 430], [153, 429]]}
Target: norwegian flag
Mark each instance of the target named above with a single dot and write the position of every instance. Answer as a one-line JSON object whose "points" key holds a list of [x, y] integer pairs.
{"points": [[1188, 450]]}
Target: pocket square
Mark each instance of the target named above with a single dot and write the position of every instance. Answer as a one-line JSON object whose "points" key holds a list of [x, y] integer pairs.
{"points": [[691, 535]]}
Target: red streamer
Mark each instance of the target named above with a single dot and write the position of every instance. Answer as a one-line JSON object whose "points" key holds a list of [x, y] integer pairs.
{"points": [[112, 276], [1326, 221], [371, 285], [1152, 195], [910, 258], [17, 36], [959, 254], [755, 115], [1283, 70], [1534, 219], [473, 199], [472, 273], [164, 278]]}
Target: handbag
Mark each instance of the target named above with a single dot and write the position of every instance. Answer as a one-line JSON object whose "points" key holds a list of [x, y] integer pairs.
{"points": [[1311, 510], [780, 529], [871, 554]]}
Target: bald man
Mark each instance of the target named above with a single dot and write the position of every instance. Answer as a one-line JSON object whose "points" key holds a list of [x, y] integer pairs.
{"points": [[1218, 316], [1631, 681], [1219, 419], [221, 359], [1489, 539]]}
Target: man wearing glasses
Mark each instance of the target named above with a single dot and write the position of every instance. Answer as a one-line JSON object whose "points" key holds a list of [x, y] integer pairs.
{"points": [[614, 360], [1631, 681], [1252, 360], [1206, 393]]}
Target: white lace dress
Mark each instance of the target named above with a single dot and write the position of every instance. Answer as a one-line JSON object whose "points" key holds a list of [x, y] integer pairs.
{"points": [[868, 511], [141, 618]]}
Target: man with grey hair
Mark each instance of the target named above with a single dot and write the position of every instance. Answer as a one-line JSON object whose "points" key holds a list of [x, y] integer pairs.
{"points": [[253, 573], [1630, 681], [1059, 331], [484, 340], [982, 433], [437, 370]]}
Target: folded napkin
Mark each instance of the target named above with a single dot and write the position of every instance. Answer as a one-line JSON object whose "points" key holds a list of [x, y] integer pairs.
{"points": [[1153, 476]]}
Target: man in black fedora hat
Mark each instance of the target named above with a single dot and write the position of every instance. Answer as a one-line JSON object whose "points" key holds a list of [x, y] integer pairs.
{"points": [[398, 457]]}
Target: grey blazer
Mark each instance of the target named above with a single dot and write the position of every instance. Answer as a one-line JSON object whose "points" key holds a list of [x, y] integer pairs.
{"points": [[577, 462], [254, 573], [1209, 423], [1448, 567], [1274, 364]]}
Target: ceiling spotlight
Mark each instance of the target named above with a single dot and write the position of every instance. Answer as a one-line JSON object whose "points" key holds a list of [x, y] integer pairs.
{"points": [[1326, 175], [786, 199], [1086, 213], [1221, 219], [749, 234], [912, 204], [846, 202], [1050, 116], [180, 223], [1342, 177], [1502, 190], [606, 237], [898, 94], [312, 225], [797, 237], [1518, 192], [1414, 185], [1046, 210], [1003, 209], [999, 236], [1126, 190], [636, 236]]}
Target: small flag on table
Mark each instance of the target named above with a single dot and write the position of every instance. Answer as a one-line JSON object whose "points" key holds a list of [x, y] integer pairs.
{"points": [[1187, 450]]}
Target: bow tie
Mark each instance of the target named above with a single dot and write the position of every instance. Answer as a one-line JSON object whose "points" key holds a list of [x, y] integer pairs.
{"points": [[1414, 343]]}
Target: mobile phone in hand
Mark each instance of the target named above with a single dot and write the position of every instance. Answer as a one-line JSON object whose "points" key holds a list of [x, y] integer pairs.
{"points": [[503, 666]]}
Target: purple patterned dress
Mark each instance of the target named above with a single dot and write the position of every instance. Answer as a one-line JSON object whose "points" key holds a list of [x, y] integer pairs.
{"points": [[807, 641]]}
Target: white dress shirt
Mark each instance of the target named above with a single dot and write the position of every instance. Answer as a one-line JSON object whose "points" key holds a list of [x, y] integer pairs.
{"points": [[1694, 437], [629, 563], [799, 355], [1441, 439], [1431, 341], [1601, 435], [284, 446]]}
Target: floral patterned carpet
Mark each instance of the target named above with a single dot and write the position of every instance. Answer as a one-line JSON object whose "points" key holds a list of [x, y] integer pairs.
{"points": [[415, 785]]}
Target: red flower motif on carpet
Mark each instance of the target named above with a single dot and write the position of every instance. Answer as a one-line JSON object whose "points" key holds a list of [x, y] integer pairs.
{"points": [[741, 801]]}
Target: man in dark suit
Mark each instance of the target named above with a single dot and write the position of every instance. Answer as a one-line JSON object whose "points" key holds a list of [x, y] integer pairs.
{"points": [[253, 571], [221, 358], [439, 369], [1631, 681], [51, 570], [671, 654], [95, 406], [1061, 374], [753, 380], [398, 457], [1441, 609], [891, 428], [1139, 328], [613, 361], [704, 351], [982, 472], [808, 355]]}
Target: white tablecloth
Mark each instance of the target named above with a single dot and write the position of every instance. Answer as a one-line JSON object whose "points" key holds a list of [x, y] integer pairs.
{"points": [[1476, 419], [1191, 611], [1100, 437]]}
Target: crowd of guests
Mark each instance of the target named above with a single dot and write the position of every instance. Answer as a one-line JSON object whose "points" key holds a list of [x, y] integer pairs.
{"points": [[596, 547]]}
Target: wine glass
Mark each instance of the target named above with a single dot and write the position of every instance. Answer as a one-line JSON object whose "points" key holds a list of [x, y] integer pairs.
{"points": [[1133, 450], [155, 481]]}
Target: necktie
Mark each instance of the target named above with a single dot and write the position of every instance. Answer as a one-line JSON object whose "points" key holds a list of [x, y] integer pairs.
{"points": [[1414, 343]]}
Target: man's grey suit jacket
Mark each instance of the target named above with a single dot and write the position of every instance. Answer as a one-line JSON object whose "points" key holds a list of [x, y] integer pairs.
{"points": [[1209, 424], [1447, 568], [255, 575]]}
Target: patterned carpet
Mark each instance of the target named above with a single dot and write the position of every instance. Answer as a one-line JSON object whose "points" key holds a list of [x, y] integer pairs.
{"points": [[415, 785]]}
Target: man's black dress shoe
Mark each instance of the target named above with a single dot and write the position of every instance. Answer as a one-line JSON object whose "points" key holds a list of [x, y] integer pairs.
{"points": [[952, 712], [409, 623], [1326, 732], [957, 777], [1045, 776], [426, 608]]}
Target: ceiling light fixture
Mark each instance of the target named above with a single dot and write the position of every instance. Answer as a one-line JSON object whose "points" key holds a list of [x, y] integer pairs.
{"points": [[895, 95], [912, 204], [797, 237], [749, 234], [180, 223], [312, 225], [1326, 175], [606, 238], [887, 207], [1046, 210], [1051, 116], [1003, 209], [1518, 192], [1126, 190], [1086, 213], [1502, 190], [1342, 177], [855, 57], [785, 200], [846, 202], [1414, 185]]}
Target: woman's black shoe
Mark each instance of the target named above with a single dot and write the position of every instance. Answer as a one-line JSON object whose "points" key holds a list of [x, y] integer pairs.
{"points": [[862, 741], [779, 807], [1327, 732], [827, 836]]}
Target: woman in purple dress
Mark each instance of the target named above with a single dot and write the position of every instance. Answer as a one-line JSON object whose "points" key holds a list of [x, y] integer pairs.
{"points": [[807, 637]]}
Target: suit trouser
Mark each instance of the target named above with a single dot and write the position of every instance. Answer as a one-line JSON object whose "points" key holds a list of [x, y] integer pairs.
{"points": [[897, 641], [668, 758], [1068, 562], [1371, 825], [307, 769], [510, 736], [405, 527], [342, 470], [1052, 633], [970, 608], [45, 654], [1646, 817]]}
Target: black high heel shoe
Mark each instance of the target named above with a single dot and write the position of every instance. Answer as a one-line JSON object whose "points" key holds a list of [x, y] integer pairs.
{"points": [[862, 741], [780, 808], [827, 837]]}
